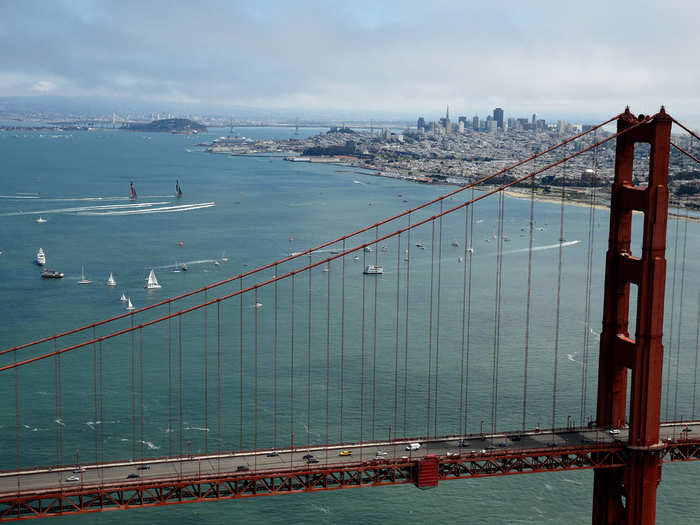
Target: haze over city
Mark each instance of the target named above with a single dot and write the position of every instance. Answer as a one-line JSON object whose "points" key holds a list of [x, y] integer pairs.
{"points": [[363, 59]]}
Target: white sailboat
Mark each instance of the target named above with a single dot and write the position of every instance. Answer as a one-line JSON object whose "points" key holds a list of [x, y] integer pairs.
{"points": [[152, 281], [111, 281], [129, 306], [123, 298], [83, 280]]}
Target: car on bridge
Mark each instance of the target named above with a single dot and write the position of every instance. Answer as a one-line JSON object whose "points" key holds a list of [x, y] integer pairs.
{"points": [[133, 476], [73, 478], [614, 431], [345, 453]]}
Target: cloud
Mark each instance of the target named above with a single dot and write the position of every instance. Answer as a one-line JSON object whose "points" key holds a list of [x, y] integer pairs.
{"points": [[544, 57]]}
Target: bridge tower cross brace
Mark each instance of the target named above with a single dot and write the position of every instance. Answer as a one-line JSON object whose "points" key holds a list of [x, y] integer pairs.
{"points": [[628, 495]]}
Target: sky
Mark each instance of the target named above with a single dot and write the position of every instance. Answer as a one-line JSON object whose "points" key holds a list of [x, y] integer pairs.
{"points": [[553, 58]]}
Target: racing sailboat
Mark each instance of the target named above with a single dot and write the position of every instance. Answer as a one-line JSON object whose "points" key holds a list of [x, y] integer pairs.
{"points": [[132, 192], [178, 189]]}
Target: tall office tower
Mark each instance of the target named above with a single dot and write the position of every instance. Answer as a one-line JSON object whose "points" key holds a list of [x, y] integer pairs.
{"points": [[498, 117], [460, 126], [534, 118], [421, 123], [475, 123], [446, 121], [462, 119]]}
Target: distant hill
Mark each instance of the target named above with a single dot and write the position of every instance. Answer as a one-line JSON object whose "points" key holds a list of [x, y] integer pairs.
{"points": [[168, 125]]}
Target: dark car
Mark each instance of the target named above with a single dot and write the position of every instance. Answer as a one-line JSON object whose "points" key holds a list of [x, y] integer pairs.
{"points": [[272, 454], [242, 468], [515, 438], [143, 467], [312, 460], [308, 456], [133, 476]]}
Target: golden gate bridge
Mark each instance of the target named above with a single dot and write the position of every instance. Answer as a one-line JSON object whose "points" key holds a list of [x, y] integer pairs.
{"points": [[308, 380]]}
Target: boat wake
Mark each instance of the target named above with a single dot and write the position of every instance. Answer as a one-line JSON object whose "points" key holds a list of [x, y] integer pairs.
{"points": [[540, 248], [162, 209], [179, 265], [80, 209]]}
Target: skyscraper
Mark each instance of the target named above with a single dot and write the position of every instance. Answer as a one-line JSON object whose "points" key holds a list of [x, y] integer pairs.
{"points": [[475, 123], [498, 117], [421, 123]]}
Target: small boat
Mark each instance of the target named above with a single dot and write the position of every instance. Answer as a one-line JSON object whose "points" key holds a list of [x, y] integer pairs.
{"points": [[51, 274], [460, 259], [326, 270], [368, 249], [455, 244], [217, 263], [129, 306], [111, 281], [420, 245], [223, 257], [384, 248], [41, 220], [178, 189], [123, 298], [335, 251], [356, 258], [184, 269], [152, 281], [132, 192], [83, 280], [40, 257], [470, 250], [258, 305], [373, 269]]}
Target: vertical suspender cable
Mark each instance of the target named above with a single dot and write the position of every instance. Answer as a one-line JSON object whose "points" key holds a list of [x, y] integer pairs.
{"points": [[170, 385], [469, 312], [206, 379], [342, 342], [497, 313], [589, 286], [405, 362], [328, 349], [274, 372], [697, 354], [362, 357], [255, 386], [240, 366], [17, 423], [179, 344], [291, 366], [95, 417], [556, 328], [396, 334], [102, 419], [529, 296], [141, 390], [680, 316], [308, 367], [430, 330], [133, 390], [218, 384], [669, 361], [463, 320], [437, 322], [374, 333]]}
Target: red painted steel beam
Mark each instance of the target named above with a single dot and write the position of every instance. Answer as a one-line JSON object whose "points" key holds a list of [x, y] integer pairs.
{"points": [[630, 497]]}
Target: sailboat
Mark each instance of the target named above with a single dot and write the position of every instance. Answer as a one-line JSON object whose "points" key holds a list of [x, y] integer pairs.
{"points": [[132, 192], [129, 306], [152, 281], [111, 281], [178, 189], [123, 298], [83, 280]]}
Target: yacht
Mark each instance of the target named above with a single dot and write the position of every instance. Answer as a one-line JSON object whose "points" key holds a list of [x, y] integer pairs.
{"points": [[152, 281], [40, 220], [52, 274], [40, 257], [129, 306], [83, 280], [373, 269], [111, 281]]}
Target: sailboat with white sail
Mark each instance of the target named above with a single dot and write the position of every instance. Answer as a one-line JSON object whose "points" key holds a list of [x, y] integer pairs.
{"points": [[111, 281], [123, 298], [129, 306], [83, 280], [152, 281]]}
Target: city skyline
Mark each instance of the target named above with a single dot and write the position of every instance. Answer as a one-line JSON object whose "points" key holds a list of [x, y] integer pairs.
{"points": [[343, 60]]}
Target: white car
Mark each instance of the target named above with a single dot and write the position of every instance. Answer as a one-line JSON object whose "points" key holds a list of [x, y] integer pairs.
{"points": [[614, 432], [73, 478]]}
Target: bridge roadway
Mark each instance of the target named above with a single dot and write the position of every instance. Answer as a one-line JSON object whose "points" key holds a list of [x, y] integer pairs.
{"points": [[50, 480]]}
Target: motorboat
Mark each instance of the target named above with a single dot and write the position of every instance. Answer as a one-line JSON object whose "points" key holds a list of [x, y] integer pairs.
{"points": [[40, 257], [41, 220], [152, 281], [455, 244], [83, 280], [373, 269], [51, 274], [368, 249], [111, 281]]}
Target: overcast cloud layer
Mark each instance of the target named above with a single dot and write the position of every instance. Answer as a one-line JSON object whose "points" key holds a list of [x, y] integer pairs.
{"points": [[552, 57]]}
